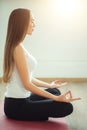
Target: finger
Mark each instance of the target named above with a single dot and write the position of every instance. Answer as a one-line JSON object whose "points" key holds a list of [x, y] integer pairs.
{"points": [[64, 83], [68, 95], [74, 99], [68, 92], [61, 84], [57, 81]]}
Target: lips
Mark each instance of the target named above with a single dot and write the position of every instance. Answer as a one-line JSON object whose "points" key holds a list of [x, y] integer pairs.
{"points": [[33, 29]]}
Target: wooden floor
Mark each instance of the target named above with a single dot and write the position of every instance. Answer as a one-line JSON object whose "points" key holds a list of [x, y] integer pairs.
{"points": [[78, 119]]}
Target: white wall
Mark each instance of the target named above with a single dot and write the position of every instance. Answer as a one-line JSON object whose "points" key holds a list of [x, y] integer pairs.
{"points": [[59, 41]]}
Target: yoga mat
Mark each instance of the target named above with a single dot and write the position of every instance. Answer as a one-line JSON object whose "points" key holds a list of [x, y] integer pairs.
{"points": [[51, 124]]}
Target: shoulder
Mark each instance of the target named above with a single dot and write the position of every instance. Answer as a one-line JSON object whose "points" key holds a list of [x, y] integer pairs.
{"points": [[18, 51]]}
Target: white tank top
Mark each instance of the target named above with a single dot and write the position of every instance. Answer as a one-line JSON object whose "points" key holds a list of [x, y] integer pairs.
{"points": [[15, 87]]}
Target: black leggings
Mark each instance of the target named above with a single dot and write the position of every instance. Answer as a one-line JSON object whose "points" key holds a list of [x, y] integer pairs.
{"points": [[36, 108]]}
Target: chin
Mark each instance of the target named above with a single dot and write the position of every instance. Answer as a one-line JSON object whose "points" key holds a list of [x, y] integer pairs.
{"points": [[29, 33]]}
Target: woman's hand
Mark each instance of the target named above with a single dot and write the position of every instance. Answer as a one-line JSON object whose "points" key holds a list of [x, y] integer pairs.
{"points": [[57, 84], [66, 97]]}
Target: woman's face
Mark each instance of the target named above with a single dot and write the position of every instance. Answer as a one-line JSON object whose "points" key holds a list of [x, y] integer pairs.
{"points": [[31, 25]]}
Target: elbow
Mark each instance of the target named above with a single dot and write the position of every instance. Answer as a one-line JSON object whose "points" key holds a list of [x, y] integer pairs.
{"points": [[27, 85]]}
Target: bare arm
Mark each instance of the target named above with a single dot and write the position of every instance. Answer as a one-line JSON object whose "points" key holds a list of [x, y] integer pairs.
{"points": [[40, 83], [23, 69], [53, 84]]}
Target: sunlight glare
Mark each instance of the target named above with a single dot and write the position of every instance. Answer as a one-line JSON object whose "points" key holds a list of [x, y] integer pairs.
{"points": [[66, 7]]}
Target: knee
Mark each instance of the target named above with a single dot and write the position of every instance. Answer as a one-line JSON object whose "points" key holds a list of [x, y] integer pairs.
{"points": [[54, 91], [69, 108]]}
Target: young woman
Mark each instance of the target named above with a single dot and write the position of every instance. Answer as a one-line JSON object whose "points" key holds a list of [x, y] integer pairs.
{"points": [[24, 100]]}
